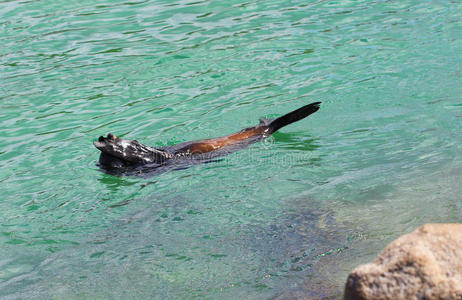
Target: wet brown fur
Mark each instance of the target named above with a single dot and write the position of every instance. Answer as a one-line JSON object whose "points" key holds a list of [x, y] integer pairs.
{"points": [[208, 145]]}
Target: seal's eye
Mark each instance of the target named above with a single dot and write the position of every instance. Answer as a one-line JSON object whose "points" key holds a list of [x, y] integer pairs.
{"points": [[101, 139], [111, 137]]}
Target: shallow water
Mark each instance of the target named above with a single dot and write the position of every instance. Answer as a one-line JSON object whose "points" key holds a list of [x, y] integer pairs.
{"points": [[286, 217]]}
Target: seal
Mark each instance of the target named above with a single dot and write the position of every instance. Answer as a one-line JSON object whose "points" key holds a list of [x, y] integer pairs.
{"points": [[122, 153]]}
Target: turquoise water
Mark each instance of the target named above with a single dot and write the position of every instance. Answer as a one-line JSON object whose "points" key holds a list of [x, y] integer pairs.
{"points": [[286, 217]]}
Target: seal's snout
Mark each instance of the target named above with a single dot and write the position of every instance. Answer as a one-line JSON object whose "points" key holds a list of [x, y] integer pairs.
{"points": [[102, 142], [105, 143], [110, 137]]}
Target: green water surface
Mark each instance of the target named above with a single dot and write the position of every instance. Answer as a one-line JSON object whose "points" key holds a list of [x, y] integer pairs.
{"points": [[287, 217]]}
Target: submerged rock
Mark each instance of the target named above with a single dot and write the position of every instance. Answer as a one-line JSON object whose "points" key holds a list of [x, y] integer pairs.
{"points": [[424, 264]]}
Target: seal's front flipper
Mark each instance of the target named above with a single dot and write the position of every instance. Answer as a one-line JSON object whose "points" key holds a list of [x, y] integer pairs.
{"points": [[291, 117]]}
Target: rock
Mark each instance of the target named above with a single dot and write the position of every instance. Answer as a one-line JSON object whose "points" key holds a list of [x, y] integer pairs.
{"points": [[425, 264]]}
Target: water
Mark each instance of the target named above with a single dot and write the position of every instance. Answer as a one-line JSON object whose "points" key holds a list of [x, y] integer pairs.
{"points": [[286, 217]]}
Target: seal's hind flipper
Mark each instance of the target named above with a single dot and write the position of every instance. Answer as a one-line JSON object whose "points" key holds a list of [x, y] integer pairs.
{"points": [[293, 116], [265, 122]]}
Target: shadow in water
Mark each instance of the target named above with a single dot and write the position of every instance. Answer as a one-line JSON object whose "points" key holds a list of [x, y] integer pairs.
{"points": [[295, 140], [113, 183], [306, 244]]}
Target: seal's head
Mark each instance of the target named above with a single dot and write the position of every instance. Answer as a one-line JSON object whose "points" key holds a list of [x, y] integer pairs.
{"points": [[128, 152]]}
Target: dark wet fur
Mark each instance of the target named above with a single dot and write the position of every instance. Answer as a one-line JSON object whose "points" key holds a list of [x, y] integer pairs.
{"points": [[115, 166], [129, 157]]}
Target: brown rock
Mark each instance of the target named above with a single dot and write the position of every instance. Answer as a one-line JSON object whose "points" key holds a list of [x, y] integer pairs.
{"points": [[424, 264]]}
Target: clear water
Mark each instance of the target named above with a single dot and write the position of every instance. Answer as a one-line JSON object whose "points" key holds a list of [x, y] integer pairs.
{"points": [[286, 217]]}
